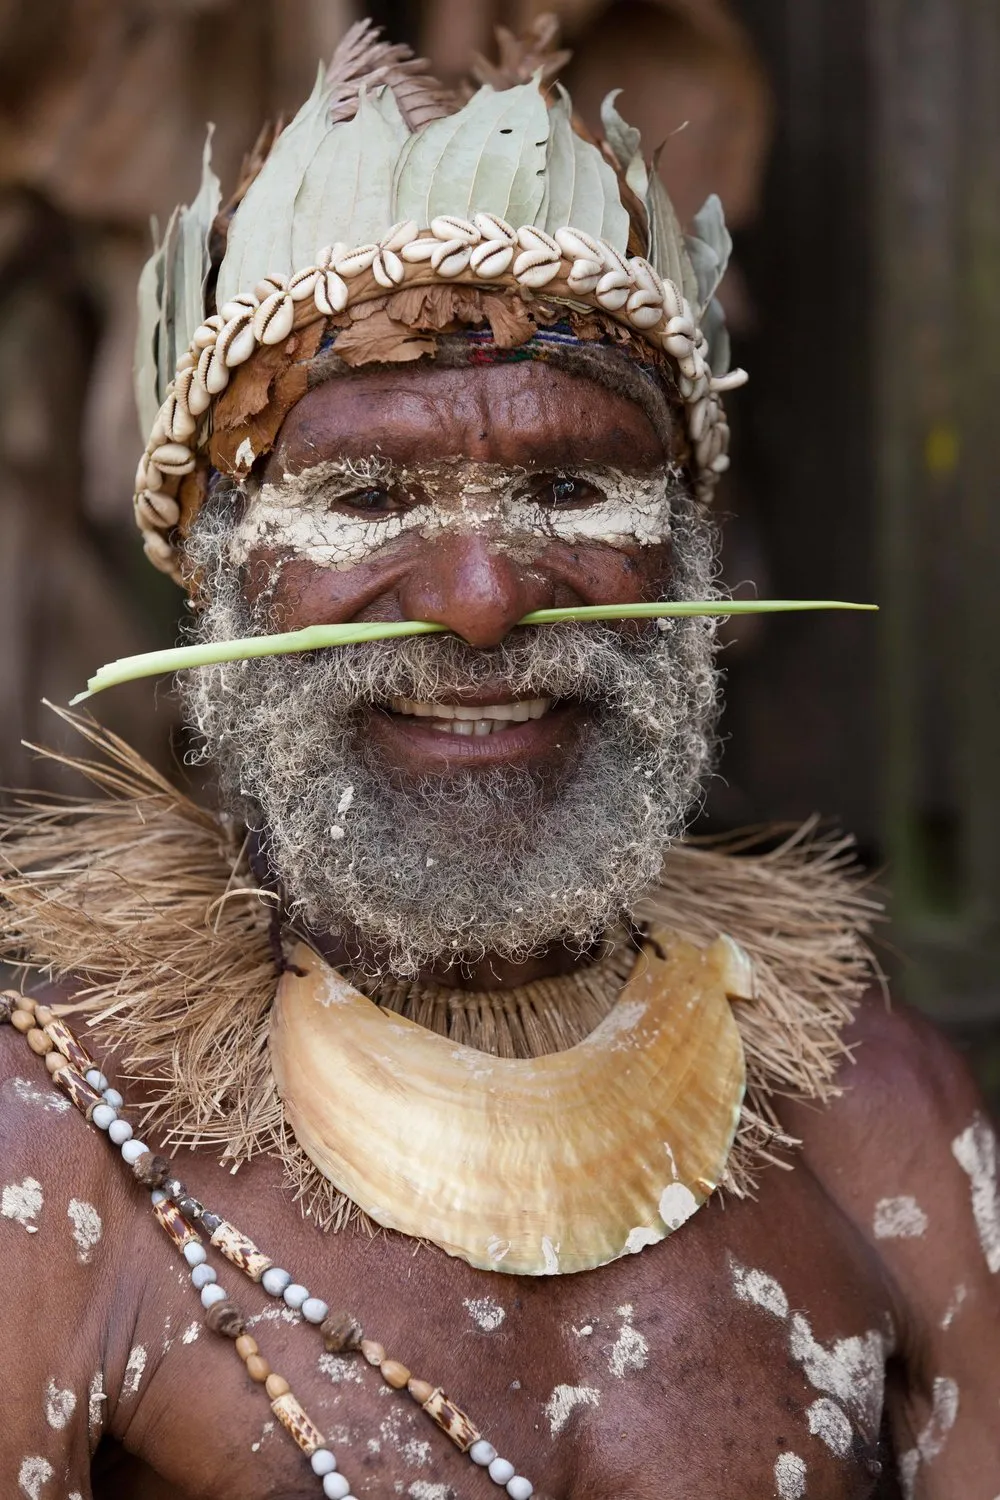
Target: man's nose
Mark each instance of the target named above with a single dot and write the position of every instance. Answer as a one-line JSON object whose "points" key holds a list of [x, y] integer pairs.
{"points": [[475, 587]]}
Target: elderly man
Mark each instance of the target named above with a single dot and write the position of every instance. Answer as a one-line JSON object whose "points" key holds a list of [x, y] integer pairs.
{"points": [[533, 1067]]}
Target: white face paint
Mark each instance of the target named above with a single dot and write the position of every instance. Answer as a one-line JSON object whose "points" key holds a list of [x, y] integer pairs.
{"points": [[22, 1201], [790, 1476], [761, 1289], [830, 1423], [312, 514], [899, 1219], [59, 1406], [191, 1332], [975, 1150], [564, 1401], [87, 1228]]}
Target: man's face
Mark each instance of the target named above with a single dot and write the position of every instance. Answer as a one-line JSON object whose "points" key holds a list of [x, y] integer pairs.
{"points": [[446, 797]]}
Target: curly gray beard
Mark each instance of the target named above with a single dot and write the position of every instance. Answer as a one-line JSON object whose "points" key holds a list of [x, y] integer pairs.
{"points": [[451, 868]]}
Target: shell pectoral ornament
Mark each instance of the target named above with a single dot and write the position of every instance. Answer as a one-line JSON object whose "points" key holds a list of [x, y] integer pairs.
{"points": [[534, 1167]]}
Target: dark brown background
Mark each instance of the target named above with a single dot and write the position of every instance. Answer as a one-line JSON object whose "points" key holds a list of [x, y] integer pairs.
{"points": [[856, 144]]}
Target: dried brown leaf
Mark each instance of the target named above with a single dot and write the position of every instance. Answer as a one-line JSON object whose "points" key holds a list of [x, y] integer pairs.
{"points": [[363, 58], [522, 55], [381, 340]]}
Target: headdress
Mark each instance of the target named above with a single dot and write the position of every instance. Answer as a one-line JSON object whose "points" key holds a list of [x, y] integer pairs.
{"points": [[387, 197]]}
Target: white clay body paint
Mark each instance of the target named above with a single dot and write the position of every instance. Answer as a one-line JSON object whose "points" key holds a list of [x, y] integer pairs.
{"points": [[975, 1150], [28, 1093], [96, 1398], [564, 1401], [59, 1406], [134, 1370], [790, 1476], [301, 511], [899, 1219], [87, 1228], [485, 1313], [630, 1350], [191, 1333], [423, 1489], [22, 1201], [932, 1439], [830, 1423], [952, 1310], [761, 1289], [33, 1475]]}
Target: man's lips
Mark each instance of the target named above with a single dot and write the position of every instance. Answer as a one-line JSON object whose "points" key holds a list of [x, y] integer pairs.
{"points": [[426, 736]]}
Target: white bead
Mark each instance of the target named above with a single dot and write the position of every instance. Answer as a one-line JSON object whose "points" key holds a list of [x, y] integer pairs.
{"points": [[322, 1462], [120, 1131], [482, 1453], [500, 1470], [274, 1281], [211, 1294], [203, 1276], [157, 1196], [314, 1309], [295, 1295], [336, 1487], [132, 1150], [96, 1079], [520, 1488], [112, 1097], [195, 1253], [103, 1116]]}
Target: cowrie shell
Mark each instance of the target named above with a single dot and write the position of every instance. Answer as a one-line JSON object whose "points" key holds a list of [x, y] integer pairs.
{"points": [[173, 458], [147, 475], [273, 319], [273, 282], [237, 341], [187, 361], [199, 396], [584, 274], [682, 325], [206, 333], [614, 259], [331, 293], [731, 381], [244, 302], [493, 228], [491, 258], [672, 299], [576, 245], [447, 228], [353, 262], [177, 420], [303, 284], [646, 278], [610, 292], [212, 372], [155, 508], [399, 235], [535, 268], [388, 269], [645, 315], [531, 238], [158, 550], [698, 418], [720, 464], [450, 257], [327, 255], [678, 345], [418, 250]]}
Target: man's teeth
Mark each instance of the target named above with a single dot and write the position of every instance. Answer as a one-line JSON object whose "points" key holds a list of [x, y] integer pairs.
{"points": [[483, 719]]}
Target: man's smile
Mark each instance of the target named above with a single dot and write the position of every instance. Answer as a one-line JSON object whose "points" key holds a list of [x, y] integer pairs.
{"points": [[477, 719], [482, 729]]}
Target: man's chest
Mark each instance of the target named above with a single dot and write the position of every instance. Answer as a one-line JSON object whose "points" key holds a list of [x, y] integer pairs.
{"points": [[743, 1357]]}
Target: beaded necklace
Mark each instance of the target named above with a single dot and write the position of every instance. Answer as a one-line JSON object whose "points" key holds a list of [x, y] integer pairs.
{"points": [[177, 1212]]}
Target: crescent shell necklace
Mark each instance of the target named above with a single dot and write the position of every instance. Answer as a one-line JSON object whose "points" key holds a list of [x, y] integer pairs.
{"points": [[531, 1166]]}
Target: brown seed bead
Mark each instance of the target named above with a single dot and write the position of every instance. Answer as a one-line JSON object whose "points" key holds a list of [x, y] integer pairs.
{"points": [[8, 1005], [151, 1170], [39, 1042], [23, 1021], [22, 1002], [373, 1353], [420, 1390], [340, 1332], [276, 1385], [245, 1346], [226, 1319], [54, 1061], [43, 1015], [394, 1374], [258, 1368]]}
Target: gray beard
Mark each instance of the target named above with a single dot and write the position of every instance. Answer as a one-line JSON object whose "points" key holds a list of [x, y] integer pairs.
{"points": [[452, 868]]}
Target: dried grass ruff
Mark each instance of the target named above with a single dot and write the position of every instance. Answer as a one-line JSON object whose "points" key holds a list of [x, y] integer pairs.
{"points": [[146, 902]]}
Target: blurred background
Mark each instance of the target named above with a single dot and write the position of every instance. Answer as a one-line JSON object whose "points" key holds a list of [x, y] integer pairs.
{"points": [[856, 146]]}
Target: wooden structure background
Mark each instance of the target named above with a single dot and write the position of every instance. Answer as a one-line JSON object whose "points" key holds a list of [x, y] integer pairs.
{"points": [[866, 304]]}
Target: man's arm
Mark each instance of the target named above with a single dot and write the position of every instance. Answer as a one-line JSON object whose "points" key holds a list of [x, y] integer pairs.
{"points": [[64, 1320], [911, 1158]]}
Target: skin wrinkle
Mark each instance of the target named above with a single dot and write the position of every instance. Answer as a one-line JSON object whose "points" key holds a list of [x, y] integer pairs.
{"points": [[300, 512]]}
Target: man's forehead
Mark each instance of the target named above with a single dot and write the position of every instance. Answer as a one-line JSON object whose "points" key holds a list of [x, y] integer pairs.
{"points": [[522, 413]]}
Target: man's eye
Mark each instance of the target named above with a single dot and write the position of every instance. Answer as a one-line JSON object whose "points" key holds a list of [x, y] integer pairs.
{"points": [[373, 498], [567, 490]]}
